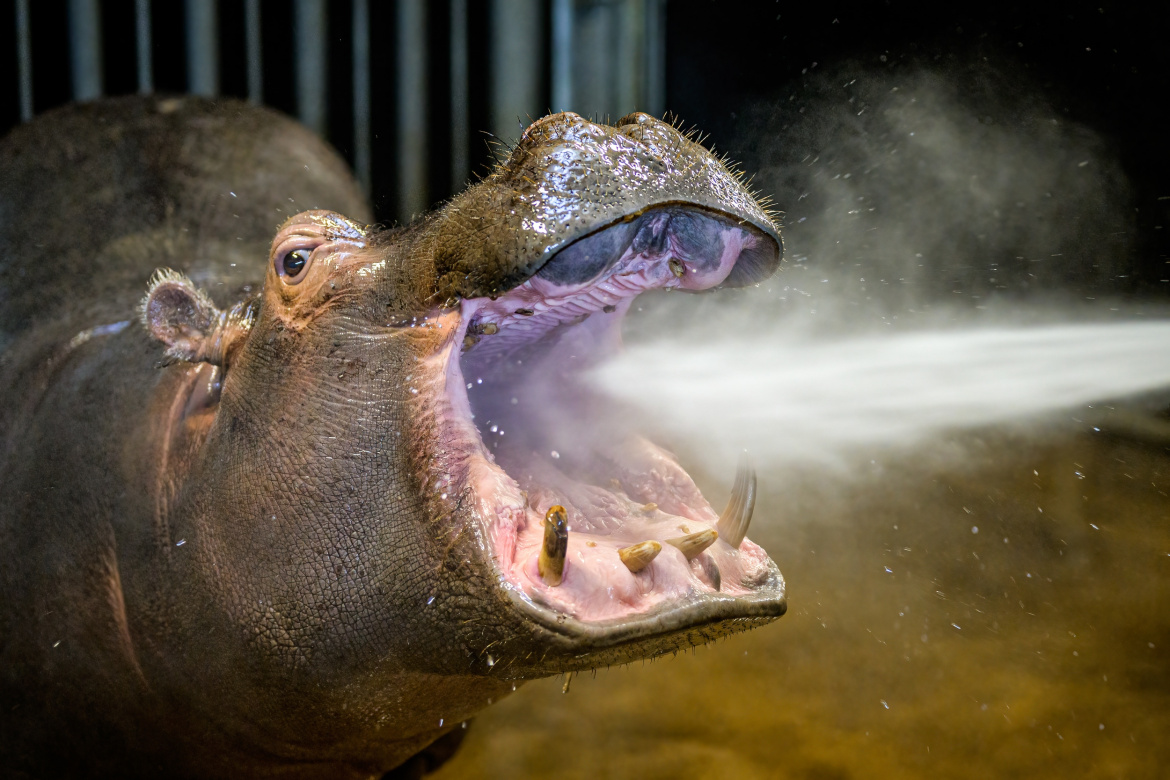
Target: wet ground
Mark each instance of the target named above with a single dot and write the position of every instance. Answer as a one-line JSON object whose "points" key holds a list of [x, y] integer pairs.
{"points": [[995, 607]]}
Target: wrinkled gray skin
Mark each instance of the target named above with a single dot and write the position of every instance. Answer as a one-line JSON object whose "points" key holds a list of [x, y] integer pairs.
{"points": [[254, 583]]}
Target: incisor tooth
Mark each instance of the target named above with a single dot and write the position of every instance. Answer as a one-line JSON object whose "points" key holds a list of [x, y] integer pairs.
{"points": [[551, 562], [693, 544], [733, 523], [638, 556]]}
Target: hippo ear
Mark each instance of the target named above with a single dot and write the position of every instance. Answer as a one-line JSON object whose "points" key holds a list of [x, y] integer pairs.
{"points": [[182, 316]]}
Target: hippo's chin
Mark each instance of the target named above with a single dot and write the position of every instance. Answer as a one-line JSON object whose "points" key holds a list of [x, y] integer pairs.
{"points": [[523, 432]]}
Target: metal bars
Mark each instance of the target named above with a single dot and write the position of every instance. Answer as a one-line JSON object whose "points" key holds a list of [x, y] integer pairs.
{"points": [[24, 60], [85, 47], [142, 47], [202, 18], [562, 55], [253, 51], [460, 123], [309, 61], [608, 57], [362, 149], [412, 108], [517, 54], [601, 58]]}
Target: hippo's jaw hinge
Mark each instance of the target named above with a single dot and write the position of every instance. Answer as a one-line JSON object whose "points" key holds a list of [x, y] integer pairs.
{"points": [[589, 522]]}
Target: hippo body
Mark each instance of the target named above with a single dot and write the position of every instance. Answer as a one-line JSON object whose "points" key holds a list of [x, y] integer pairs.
{"points": [[263, 536]]}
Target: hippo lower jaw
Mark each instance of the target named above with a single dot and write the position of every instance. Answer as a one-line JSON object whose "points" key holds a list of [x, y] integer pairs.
{"points": [[520, 432]]}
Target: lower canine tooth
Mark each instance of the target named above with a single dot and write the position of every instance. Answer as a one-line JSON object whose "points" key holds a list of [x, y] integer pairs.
{"points": [[733, 523], [556, 543], [638, 556], [693, 544]]}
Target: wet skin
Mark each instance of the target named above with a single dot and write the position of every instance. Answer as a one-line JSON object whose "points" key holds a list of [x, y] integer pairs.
{"points": [[258, 523]]}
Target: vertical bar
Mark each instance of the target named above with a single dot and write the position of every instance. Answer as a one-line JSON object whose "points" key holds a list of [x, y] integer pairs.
{"points": [[516, 63], [412, 108], [460, 123], [596, 50], [85, 44], [310, 63], [142, 40], [562, 55], [654, 92], [24, 59], [252, 44], [362, 159], [202, 47], [629, 76]]}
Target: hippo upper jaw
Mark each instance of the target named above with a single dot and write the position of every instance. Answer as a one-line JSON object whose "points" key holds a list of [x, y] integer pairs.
{"points": [[522, 433]]}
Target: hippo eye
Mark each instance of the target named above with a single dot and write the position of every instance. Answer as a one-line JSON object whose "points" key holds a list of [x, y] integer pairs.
{"points": [[294, 263]]}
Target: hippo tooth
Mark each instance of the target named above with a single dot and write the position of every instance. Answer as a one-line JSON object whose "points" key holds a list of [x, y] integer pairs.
{"points": [[677, 268], [733, 523], [556, 543], [638, 556], [693, 544]]}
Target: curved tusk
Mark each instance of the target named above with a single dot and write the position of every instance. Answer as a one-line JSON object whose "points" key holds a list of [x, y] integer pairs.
{"points": [[734, 521]]}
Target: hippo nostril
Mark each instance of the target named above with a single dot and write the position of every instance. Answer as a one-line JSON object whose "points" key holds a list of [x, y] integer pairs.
{"points": [[636, 118]]}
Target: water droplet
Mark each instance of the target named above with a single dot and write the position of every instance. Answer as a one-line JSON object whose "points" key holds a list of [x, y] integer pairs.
{"points": [[555, 454]]}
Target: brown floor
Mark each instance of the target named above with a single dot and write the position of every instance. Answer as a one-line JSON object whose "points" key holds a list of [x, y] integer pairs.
{"points": [[1037, 647]]}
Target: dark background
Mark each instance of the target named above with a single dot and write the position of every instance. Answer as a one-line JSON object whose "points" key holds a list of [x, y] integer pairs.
{"points": [[1101, 65], [1104, 66]]}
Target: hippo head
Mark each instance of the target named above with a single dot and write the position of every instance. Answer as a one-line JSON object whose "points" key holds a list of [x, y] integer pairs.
{"points": [[397, 492]]}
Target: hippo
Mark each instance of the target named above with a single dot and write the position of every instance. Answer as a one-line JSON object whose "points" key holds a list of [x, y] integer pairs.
{"points": [[301, 506]]}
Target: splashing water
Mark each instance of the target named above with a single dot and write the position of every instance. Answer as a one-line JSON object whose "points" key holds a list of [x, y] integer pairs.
{"points": [[790, 400]]}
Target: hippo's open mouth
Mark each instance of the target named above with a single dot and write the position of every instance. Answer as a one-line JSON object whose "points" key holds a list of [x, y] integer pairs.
{"points": [[637, 542]]}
